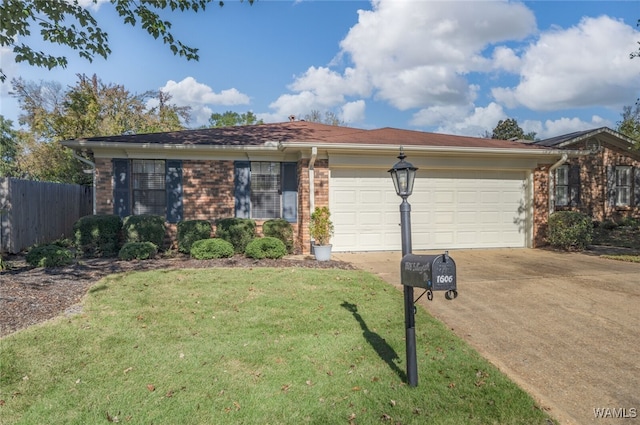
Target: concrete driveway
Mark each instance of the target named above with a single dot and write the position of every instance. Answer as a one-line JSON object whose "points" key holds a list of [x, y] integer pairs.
{"points": [[564, 326]]}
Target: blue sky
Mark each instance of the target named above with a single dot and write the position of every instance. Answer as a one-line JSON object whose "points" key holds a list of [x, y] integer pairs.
{"points": [[454, 67]]}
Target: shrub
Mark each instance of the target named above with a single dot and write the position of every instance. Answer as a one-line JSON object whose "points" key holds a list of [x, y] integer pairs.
{"points": [[97, 235], [281, 229], [137, 251], [190, 231], [49, 256], [206, 249], [144, 228], [238, 231], [266, 247], [570, 230]]}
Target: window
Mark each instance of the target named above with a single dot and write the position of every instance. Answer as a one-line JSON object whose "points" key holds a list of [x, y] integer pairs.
{"points": [[265, 190], [148, 187], [142, 186], [567, 188], [562, 186], [623, 186]]}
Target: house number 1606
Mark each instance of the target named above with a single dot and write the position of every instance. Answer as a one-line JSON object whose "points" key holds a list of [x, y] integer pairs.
{"points": [[444, 279]]}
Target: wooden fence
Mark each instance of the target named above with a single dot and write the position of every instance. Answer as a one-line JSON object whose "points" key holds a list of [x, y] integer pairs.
{"points": [[39, 212]]}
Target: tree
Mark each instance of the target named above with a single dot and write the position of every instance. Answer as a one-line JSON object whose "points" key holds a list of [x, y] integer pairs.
{"points": [[67, 23], [8, 148], [230, 119], [329, 118], [90, 108], [630, 124], [636, 54], [510, 130]]}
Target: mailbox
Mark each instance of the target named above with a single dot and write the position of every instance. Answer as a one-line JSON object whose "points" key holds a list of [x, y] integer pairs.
{"points": [[432, 272]]}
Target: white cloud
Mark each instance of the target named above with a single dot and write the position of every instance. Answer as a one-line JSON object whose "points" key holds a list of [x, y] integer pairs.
{"points": [[585, 65], [413, 55], [552, 128], [353, 112], [200, 97], [467, 121]]}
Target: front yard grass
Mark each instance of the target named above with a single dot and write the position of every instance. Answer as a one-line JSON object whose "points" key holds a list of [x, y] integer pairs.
{"points": [[622, 237], [249, 346]]}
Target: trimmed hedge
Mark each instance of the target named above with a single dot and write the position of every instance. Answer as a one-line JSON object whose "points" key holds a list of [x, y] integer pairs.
{"points": [[144, 228], [570, 230], [97, 235], [207, 249], [49, 256], [137, 251], [281, 229], [266, 247], [190, 231], [238, 231]]}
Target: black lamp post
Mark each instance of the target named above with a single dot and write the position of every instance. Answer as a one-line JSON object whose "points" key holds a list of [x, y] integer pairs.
{"points": [[403, 174]]}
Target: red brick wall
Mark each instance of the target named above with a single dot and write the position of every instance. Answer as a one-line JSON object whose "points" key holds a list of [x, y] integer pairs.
{"points": [[540, 204]]}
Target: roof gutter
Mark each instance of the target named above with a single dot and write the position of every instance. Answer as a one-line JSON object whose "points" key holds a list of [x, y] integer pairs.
{"points": [[312, 190]]}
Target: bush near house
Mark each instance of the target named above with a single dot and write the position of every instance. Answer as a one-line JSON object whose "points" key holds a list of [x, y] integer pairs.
{"points": [[570, 230], [190, 231], [97, 235], [238, 231], [137, 251], [267, 247], [51, 255], [281, 229], [144, 228], [207, 249]]}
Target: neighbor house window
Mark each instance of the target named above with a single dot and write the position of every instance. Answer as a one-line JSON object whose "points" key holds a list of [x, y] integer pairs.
{"points": [[623, 186], [562, 186], [147, 184], [568, 185], [266, 190]]}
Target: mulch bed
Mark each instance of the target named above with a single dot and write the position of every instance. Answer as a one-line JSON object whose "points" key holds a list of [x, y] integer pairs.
{"points": [[31, 295]]}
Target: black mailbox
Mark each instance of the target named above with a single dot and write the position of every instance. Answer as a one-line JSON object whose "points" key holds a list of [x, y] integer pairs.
{"points": [[432, 272]]}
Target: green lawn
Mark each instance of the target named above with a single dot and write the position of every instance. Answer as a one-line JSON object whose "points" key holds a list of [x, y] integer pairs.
{"points": [[257, 346]]}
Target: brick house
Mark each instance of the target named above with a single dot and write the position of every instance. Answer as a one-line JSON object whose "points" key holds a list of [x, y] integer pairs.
{"points": [[469, 192]]}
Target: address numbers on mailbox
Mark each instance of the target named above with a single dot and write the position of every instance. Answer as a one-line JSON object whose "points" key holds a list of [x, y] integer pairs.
{"points": [[432, 272]]}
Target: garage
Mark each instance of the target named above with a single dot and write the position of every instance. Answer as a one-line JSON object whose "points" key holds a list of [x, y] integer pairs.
{"points": [[449, 209]]}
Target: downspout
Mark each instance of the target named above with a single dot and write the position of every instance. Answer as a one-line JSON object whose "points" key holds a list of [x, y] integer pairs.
{"points": [[312, 191], [93, 177], [552, 182]]}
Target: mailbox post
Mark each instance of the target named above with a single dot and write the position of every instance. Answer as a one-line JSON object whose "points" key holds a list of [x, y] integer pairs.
{"points": [[403, 174]]}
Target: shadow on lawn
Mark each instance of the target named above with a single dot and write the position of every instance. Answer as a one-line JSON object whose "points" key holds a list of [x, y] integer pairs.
{"points": [[384, 350]]}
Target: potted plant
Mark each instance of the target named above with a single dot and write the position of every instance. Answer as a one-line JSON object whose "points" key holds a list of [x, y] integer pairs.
{"points": [[321, 230]]}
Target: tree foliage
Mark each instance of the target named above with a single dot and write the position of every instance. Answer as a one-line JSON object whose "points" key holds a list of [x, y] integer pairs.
{"points": [[8, 148], [230, 119], [66, 22], [630, 123], [90, 108], [330, 118], [637, 53], [510, 130]]}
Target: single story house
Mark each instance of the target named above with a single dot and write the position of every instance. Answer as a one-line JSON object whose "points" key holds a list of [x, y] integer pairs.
{"points": [[469, 192]]}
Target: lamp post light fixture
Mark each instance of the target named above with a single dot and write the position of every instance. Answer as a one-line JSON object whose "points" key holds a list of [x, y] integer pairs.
{"points": [[403, 174]]}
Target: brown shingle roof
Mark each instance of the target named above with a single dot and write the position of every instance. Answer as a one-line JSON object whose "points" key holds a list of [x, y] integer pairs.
{"points": [[305, 132]]}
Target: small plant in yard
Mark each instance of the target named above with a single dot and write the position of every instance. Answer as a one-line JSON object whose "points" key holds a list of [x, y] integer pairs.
{"points": [[281, 229], [49, 256], [321, 226], [190, 231], [97, 235], [570, 230], [266, 247], [238, 231], [207, 249], [144, 228], [137, 251]]}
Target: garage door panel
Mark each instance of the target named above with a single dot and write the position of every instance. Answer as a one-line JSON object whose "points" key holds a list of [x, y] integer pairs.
{"points": [[449, 209]]}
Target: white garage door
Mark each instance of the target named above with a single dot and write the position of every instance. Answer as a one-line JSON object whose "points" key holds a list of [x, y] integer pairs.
{"points": [[449, 209]]}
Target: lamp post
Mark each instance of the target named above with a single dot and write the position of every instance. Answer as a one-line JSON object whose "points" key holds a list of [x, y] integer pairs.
{"points": [[403, 174]]}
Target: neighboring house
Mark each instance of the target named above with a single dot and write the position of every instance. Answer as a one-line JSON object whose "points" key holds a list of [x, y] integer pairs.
{"points": [[469, 192]]}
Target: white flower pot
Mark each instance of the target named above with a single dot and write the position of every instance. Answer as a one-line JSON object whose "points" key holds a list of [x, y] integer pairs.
{"points": [[322, 252]]}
